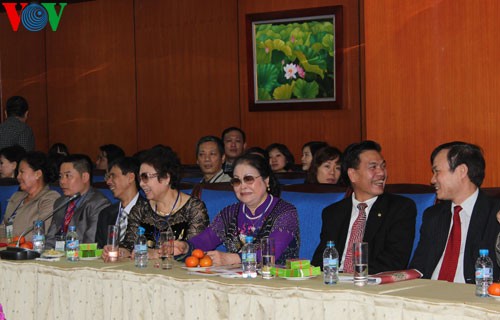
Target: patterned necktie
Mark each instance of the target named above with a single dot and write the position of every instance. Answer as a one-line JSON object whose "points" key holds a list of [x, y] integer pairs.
{"points": [[70, 210], [357, 231], [450, 260], [123, 223]]}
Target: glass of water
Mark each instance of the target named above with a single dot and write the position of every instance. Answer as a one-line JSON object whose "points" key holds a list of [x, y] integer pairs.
{"points": [[267, 257], [360, 261]]}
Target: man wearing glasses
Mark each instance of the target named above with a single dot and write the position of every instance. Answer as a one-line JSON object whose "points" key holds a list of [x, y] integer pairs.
{"points": [[75, 176], [122, 181]]}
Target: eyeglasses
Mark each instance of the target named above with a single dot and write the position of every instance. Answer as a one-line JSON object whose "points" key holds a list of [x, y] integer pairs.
{"points": [[108, 176], [236, 182], [145, 176]]}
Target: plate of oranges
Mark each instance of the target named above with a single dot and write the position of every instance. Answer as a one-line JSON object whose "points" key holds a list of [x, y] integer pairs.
{"points": [[198, 261]]}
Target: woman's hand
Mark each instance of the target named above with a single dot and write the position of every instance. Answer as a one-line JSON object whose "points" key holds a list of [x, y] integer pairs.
{"points": [[180, 247], [122, 253], [498, 216], [223, 258]]}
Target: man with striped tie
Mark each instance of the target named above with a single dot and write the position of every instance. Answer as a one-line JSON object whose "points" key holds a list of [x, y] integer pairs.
{"points": [[464, 220], [122, 181], [386, 221]]}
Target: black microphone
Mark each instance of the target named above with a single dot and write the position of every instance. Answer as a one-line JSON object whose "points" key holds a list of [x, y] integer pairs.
{"points": [[62, 205]]}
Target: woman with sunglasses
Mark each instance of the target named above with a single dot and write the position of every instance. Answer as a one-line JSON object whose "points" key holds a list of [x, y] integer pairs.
{"points": [[167, 206], [259, 213]]}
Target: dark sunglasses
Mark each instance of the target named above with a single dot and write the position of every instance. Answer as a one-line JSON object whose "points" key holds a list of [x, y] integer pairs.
{"points": [[145, 176], [236, 182]]}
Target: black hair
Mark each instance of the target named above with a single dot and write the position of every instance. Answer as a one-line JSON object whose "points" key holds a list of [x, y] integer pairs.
{"points": [[290, 160], [351, 158], [37, 160], [322, 155], [464, 153], [81, 163], [57, 149], [259, 151], [127, 165], [314, 146], [218, 142], [13, 154], [265, 171], [166, 163], [112, 152], [16, 106], [227, 130]]}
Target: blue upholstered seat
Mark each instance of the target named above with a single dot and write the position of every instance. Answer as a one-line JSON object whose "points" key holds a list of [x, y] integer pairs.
{"points": [[5, 193]]}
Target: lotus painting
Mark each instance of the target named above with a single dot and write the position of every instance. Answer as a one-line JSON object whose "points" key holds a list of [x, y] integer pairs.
{"points": [[295, 59]]}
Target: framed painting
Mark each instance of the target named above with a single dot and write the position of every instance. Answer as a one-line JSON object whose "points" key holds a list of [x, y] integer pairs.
{"points": [[295, 59]]}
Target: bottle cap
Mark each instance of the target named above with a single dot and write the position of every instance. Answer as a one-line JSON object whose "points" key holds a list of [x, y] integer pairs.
{"points": [[248, 239], [330, 243], [38, 223], [141, 231], [72, 228], [483, 252]]}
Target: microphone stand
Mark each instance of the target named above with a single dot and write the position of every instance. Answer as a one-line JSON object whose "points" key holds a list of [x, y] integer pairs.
{"points": [[65, 203]]}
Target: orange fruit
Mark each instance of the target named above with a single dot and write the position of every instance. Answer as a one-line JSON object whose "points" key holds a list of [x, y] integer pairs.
{"points": [[12, 244], [20, 241], [198, 253], [206, 261], [494, 289], [192, 262], [27, 245]]}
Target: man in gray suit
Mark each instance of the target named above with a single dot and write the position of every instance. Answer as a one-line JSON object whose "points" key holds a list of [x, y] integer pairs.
{"points": [[75, 176]]}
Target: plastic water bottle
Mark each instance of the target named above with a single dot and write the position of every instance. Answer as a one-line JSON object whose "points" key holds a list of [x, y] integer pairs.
{"points": [[484, 273], [330, 264], [38, 238], [249, 259], [72, 244], [141, 249]]}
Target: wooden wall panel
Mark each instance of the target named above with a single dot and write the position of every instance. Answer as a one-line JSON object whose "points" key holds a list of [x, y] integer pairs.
{"points": [[22, 72], [431, 77], [91, 77], [187, 72], [294, 128]]}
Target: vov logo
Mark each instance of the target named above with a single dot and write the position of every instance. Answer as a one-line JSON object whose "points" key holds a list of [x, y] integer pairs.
{"points": [[33, 16]]}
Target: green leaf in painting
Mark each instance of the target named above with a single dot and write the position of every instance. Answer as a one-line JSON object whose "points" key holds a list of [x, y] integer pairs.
{"points": [[305, 90], [262, 94], [267, 75], [283, 92]]}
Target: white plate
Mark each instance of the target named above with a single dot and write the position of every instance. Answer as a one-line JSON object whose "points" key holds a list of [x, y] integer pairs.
{"points": [[196, 268], [57, 255], [89, 258], [494, 297], [298, 278]]}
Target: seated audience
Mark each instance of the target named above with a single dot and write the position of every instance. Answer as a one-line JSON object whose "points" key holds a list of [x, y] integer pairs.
{"points": [[234, 140], [9, 160], [210, 157], [280, 158], [75, 176], [259, 213], [386, 221], [107, 154], [122, 179], [14, 130], [35, 201], [166, 205], [308, 151], [463, 221], [325, 167]]}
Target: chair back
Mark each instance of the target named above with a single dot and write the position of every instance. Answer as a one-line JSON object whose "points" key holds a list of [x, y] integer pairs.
{"points": [[7, 188]]}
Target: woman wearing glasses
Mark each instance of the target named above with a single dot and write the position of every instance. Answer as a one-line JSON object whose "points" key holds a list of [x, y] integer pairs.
{"points": [[258, 213], [167, 205], [35, 201]]}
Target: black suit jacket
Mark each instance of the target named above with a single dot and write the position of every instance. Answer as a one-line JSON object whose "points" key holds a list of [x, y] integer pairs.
{"points": [[389, 231], [482, 233], [108, 217]]}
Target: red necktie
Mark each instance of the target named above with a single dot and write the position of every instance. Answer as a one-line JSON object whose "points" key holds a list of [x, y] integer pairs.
{"points": [[450, 260], [70, 210], [358, 228]]}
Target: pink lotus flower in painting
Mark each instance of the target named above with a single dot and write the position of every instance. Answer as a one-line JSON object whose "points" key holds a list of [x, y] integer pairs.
{"points": [[290, 71], [301, 72]]}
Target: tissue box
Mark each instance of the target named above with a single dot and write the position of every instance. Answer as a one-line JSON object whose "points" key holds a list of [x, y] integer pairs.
{"points": [[306, 272], [281, 272], [89, 250], [297, 263]]}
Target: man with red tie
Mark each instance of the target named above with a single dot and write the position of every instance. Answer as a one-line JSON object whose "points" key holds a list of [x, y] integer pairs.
{"points": [[75, 176], [464, 220], [386, 221]]}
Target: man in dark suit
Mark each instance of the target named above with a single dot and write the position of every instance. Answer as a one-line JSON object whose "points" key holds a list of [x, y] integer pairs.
{"points": [[122, 181], [385, 221], [75, 175], [464, 220]]}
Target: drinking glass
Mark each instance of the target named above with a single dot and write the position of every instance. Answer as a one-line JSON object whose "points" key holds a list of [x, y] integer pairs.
{"points": [[267, 257], [360, 261], [113, 243], [166, 247]]}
